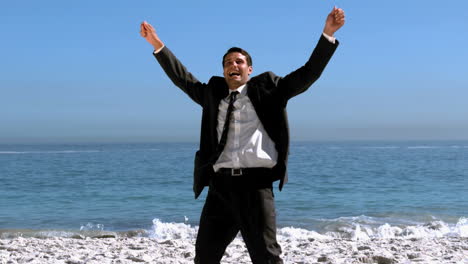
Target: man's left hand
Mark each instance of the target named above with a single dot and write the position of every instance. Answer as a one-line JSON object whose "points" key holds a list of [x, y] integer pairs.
{"points": [[335, 20]]}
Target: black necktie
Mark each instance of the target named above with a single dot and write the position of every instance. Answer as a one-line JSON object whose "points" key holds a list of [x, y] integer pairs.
{"points": [[227, 120]]}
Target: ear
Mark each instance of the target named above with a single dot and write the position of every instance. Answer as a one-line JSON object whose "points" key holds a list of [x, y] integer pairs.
{"points": [[250, 70]]}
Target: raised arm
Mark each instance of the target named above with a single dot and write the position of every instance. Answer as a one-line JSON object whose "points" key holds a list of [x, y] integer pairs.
{"points": [[173, 68], [301, 79]]}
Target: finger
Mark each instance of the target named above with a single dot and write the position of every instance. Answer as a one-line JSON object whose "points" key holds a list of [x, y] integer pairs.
{"points": [[339, 15], [146, 24], [150, 27]]}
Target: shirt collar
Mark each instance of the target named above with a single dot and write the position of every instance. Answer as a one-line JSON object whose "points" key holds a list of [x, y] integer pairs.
{"points": [[241, 89]]}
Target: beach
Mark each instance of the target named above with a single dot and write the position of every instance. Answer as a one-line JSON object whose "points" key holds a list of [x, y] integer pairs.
{"points": [[346, 202], [300, 250]]}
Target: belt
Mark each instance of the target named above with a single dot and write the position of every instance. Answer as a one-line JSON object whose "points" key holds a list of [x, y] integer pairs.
{"points": [[243, 171]]}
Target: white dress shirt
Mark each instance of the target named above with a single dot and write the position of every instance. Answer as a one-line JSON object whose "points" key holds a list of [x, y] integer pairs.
{"points": [[248, 145]]}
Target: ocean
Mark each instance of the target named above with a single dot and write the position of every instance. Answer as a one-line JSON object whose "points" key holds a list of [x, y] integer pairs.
{"points": [[339, 189]]}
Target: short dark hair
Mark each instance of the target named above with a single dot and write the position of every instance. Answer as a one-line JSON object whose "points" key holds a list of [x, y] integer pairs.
{"points": [[241, 51]]}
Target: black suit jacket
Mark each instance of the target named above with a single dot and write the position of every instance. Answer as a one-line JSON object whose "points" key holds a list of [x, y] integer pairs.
{"points": [[268, 93]]}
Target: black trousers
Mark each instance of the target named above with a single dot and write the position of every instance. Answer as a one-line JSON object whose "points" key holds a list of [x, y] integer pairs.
{"points": [[238, 203]]}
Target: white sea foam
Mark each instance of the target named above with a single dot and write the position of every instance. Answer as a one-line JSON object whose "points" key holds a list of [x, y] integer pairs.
{"points": [[293, 233], [359, 228], [462, 227], [92, 227], [168, 231], [435, 243], [354, 231], [434, 229]]}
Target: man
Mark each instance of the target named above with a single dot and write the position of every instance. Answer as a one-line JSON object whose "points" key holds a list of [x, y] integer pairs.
{"points": [[244, 142]]}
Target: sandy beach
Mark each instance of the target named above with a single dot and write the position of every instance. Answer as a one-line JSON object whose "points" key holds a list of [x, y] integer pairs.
{"points": [[349, 202], [299, 250]]}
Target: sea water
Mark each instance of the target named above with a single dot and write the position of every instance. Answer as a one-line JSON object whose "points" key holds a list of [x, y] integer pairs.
{"points": [[338, 189]]}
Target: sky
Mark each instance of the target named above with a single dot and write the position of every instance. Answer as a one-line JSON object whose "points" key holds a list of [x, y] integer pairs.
{"points": [[78, 71]]}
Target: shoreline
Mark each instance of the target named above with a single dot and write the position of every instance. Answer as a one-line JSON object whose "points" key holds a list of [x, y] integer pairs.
{"points": [[304, 249]]}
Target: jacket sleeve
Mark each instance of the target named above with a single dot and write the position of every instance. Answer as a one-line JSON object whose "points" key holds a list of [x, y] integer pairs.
{"points": [[301, 79], [180, 76]]}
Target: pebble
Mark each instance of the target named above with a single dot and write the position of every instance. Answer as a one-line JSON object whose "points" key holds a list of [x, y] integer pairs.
{"points": [[87, 250]]}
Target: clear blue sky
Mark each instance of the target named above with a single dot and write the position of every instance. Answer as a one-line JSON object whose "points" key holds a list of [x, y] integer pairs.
{"points": [[78, 71]]}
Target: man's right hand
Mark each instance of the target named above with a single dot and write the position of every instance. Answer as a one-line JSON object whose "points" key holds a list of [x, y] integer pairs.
{"points": [[149, 33]]}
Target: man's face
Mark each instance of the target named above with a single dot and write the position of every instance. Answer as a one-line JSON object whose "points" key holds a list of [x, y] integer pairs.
{"points": [[236, 70]]}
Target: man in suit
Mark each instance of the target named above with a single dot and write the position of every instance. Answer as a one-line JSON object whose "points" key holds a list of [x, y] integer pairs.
{"points": [[244, 142]]}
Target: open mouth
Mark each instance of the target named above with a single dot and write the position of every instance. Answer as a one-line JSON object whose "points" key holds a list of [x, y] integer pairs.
{"points": [[233, 74]]}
